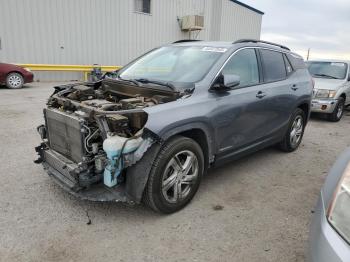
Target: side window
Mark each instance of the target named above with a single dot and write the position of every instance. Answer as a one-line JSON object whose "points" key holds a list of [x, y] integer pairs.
{"points": [[273, 63], [244, 64], [143, 6], [288, 65]]}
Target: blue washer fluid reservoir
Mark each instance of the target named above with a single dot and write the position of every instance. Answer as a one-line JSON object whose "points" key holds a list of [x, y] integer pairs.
{"points": [[113, 145]]}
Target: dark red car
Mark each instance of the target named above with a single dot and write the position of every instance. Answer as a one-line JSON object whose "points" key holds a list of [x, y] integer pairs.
{"points": [[14, 76]]}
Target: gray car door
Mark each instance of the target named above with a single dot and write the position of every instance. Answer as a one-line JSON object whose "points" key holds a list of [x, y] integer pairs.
{"points": [[252, 113], [284, 86]]}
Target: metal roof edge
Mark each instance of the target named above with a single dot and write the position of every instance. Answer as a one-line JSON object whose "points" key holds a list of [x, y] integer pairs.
{"points": [[248, 7]]}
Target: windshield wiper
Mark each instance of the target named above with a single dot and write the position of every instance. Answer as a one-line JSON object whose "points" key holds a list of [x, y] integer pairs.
{"points": [[161, 83], [324, 75], [129, 80]]}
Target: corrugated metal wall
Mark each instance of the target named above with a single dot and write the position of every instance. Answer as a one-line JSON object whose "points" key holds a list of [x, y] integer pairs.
{"points": [[108, 32], [215, 20], [238, 22]]}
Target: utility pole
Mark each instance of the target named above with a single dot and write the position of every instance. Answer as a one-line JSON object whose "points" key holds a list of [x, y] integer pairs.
{"points": [[308, 54]]}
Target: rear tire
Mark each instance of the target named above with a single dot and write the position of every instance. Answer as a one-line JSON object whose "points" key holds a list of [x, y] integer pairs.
{"points": [[175, 175], [14, 80], [295, 132], [338, 111]]}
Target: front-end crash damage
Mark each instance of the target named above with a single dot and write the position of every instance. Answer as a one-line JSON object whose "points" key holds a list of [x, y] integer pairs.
{"points": [[95, 136]]}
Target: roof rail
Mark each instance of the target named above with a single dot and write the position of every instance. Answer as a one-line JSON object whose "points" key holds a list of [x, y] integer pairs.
{"points": [[259, 41], [186, 40]]}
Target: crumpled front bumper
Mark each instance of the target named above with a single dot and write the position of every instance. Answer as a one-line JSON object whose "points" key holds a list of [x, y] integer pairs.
{"points": [[97, 192], [326, 106], [62, 170]]}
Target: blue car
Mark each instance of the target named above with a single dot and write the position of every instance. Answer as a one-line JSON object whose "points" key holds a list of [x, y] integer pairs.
{"points": [[330, 227]]}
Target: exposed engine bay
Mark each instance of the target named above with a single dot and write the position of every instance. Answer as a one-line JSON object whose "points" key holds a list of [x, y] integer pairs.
{"points": [[94, 131]]}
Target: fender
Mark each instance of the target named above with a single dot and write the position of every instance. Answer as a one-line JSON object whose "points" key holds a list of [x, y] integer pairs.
{"points": [[137, 175], [165, 134], [305, 100]]}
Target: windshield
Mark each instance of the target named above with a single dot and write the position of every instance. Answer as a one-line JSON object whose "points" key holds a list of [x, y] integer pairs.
{"points": [[173, 64], [335, 70]]}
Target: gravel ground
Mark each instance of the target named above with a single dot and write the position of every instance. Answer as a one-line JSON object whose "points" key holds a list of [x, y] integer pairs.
{"points": [[255, 209]]}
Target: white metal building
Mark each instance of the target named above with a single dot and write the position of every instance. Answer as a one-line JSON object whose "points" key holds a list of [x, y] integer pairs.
{"points": [[112, 32]]}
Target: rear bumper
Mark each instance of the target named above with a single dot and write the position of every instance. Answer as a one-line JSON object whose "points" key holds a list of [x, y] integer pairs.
{"points": [[325, 243], [64, 173], [326, 106]]}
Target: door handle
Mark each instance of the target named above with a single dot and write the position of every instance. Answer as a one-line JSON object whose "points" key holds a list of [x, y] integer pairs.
{"points": [[260, 94], [294, 87]]}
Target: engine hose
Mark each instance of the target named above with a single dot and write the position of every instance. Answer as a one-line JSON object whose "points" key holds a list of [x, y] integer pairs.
{"points": [[89, 138], [85, 141]]}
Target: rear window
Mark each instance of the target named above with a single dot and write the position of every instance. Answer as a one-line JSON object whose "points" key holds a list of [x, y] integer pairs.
{"points": [[274, 67]]}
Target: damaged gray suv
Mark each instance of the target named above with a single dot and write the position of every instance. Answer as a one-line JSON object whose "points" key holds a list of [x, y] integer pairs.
{"points": [[149, 132]]}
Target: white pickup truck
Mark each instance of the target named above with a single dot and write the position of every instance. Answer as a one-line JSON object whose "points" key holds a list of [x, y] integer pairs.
{"points": [[332, 87]]}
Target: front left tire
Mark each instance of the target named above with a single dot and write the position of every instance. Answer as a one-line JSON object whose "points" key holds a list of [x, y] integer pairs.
{"points": [[14, 80], [175, 175]]}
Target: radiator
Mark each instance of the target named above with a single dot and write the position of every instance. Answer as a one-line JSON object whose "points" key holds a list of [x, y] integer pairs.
{"points": [[64, 134]]}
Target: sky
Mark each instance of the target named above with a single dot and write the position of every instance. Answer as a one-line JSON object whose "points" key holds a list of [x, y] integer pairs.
{"points": [[323, 26]]}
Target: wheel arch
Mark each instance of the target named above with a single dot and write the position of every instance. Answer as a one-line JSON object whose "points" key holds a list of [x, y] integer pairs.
{"points": [[14, 71], [137, 175], [200, 133], [199, 136], [305, 106], [343, 95]]}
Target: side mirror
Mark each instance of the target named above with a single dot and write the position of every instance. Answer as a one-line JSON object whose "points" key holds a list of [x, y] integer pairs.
{"points": [[231, 81], [226, 82]]}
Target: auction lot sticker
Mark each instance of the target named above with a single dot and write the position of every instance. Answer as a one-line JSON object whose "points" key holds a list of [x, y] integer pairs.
{"points": [[214, 49], [338, 64]]}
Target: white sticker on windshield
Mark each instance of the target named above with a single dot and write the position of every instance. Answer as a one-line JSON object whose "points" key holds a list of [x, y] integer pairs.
{"points": [[338, 64], [214, 49]]}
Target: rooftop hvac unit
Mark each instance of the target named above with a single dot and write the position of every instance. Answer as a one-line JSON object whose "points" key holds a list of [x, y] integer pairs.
{"points": [[192, 22]]}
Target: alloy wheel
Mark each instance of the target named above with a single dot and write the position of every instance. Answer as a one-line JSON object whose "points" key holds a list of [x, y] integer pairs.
{"points": [[15, 81], [296, 131], [179, 176]]}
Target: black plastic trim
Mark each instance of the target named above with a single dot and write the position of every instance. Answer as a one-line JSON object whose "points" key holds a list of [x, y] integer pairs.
{"points": [[260, 41], [186, 40], [248, 7]]}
